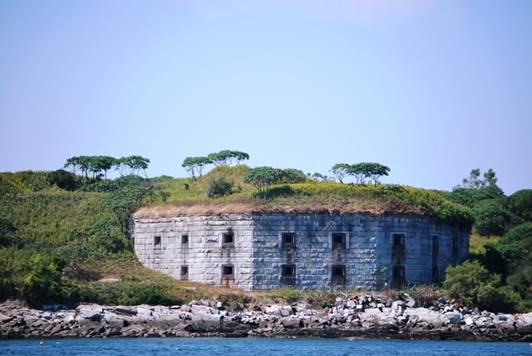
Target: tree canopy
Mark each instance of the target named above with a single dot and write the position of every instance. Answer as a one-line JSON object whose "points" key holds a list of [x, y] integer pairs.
{"points": [[96, 165], [261, 177], [194, 165], [360, 171]]}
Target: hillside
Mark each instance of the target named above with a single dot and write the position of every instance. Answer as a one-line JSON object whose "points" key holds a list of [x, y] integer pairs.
{"points": [[65, 238]]}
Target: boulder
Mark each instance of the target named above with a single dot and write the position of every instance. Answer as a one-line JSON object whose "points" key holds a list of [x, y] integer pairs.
{"points": [[424, 315], [92, 312], [5, 318], [409, 301], [453, 317], [290, 322]]}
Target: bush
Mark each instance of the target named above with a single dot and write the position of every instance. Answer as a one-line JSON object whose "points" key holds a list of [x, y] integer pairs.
{"points": [[43, 283], [470, 196], [520, 203], [474, 285], [515, 247], [63, 179], [491, 217], [218, 187]]}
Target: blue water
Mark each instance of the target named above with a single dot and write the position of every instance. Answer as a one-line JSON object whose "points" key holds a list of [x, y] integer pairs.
{"points": [[248, 347]]}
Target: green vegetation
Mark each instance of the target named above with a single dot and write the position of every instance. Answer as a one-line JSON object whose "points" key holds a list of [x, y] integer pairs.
{"points": [[360, 171], [474, 285], [64, 237], [498, 275]]}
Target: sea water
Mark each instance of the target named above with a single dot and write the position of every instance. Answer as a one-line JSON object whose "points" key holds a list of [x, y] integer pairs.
{"points": [[251, 346]]}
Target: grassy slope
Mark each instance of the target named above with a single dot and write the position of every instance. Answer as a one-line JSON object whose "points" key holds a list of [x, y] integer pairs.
{"points": [[79, 225]]}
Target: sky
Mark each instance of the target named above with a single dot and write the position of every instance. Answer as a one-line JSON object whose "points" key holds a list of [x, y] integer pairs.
{"points": [[430, 88]]}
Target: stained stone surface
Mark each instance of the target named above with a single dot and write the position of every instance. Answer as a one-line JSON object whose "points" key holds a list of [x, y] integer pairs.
{"points": [[258, 254]]}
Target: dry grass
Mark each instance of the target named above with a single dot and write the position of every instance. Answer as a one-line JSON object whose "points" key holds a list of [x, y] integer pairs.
{"points": [[257, 207]]}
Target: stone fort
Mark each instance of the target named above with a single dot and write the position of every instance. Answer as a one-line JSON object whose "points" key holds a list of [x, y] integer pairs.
{"points": [[319, 250]]}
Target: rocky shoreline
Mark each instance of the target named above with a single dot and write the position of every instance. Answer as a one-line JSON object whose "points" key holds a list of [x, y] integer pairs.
{"points": [[360, 316]]}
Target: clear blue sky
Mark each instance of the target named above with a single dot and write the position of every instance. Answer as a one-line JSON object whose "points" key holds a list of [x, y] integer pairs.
{"points": [[431, 88]]}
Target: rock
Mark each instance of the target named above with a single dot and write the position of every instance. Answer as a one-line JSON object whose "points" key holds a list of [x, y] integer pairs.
{"points": [[5, 318], [425, 315], [124, 310], [205, 321], [453, 317], [92, 312], [398, 307], [290, 322], [409, 301], [523, 321], [468, 320], [286, 311]]}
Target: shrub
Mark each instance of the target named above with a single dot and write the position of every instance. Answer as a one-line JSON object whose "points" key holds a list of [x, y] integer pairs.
{"points": [[292, 175], [42, 282], [63, 179], [218, 187], [474, 285], [515, 247], [491, 217], [520, 203], [469, 196]]}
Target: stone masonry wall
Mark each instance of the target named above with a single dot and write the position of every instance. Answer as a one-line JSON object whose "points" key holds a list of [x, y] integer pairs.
{"points": [[258, 254], [204, 254]]}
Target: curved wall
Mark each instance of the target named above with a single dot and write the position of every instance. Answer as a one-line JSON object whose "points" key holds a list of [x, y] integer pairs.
{"points": [[302, 250]]}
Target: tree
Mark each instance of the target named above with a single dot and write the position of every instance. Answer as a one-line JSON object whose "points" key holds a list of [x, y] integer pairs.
{"points": [[318, 176], [105, 163], [515, 246], [489, 177], [340, 171], [81, 163], [226, 157], [240, 156], [194, 165], [474, 285], [368, 170], [376, 170], [520, 203], [475, 182], [491, 217], [359, 171], [135, 164], [469, 196], [292, 175], [63, 179], [261, 177]]}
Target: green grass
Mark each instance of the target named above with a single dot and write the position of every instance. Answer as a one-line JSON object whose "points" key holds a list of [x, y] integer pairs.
{"points": [[87, 228], [477, 243]]}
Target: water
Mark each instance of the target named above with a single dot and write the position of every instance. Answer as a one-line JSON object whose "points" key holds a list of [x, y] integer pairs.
{"points": [[249, 347]]}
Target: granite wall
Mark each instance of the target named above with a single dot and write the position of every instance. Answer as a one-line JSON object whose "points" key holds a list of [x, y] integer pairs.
{"points": [[302, 250]]}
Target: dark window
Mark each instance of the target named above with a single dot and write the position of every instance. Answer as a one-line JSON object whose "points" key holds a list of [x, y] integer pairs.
{"points": [[398, 249], [184, 239], [454, 249], [338, 274], [228, 239], [288, 270], [398, 260], [227, 270], [398, 277], [184, 272], [338, 240], [435, 258], [288, 274], [156, 240], [288, 240]]}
